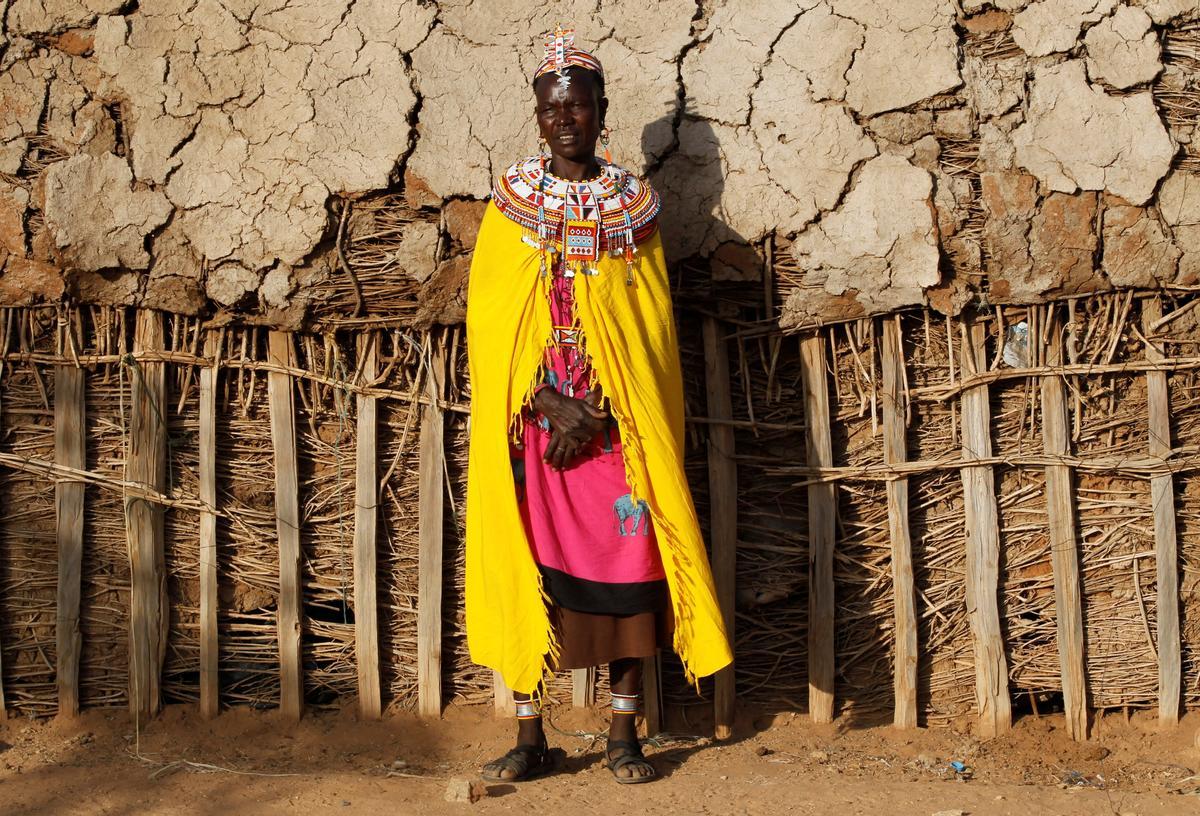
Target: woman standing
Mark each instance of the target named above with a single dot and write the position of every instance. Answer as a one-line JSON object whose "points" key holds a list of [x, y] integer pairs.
{"points": [[582, 542]]}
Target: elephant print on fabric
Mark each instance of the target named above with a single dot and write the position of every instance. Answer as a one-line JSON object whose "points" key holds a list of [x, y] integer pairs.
{"points": [[625, 509]]}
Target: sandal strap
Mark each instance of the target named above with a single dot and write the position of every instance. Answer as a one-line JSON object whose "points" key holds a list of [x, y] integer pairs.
{"points": [[633, 752], [522, 758], [631, 745]]}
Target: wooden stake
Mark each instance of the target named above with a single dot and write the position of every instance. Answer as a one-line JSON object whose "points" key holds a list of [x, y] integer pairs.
{"points": [[287, 523], [822, 520], [366, 512], [983, 546], [583, 687], [210, 687], [503, 699], [722, 487], [4, 326], [1064, 545], [904, 679], [652, 694], [431, 506], [147, 465], [69, 449], [1166, 555]]}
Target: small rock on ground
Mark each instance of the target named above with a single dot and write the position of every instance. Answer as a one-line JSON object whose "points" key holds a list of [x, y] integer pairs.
{"points": [[459, 789]]}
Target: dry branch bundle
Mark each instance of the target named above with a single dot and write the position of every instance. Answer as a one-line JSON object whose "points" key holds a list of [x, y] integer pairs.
{"points": [[1108, 409]]}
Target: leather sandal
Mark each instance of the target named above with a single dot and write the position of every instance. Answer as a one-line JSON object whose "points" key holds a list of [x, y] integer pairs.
{"points": [[525, 762], [631, 753]]}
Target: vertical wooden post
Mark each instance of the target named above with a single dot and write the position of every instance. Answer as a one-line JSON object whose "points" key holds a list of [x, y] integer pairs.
{"points": [[583, 686], [210, 689], [983, 545], [287, 523], [652, 694], [1064, 546], [503, 699], [431, 504], [69, 450], [6, 315], [904, 681], [366, 517], [147, 465], [1166, 556], [722, 497], [822, 520]]}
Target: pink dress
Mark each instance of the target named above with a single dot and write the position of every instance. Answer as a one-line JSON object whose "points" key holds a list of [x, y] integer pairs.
{"points": [[595, 547]]}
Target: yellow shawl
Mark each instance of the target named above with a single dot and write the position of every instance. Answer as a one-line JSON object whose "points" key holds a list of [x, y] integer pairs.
{"points": [[629, 335]]}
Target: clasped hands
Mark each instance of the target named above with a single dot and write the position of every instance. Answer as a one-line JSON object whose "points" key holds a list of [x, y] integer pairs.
{"points": [[573, 423]]}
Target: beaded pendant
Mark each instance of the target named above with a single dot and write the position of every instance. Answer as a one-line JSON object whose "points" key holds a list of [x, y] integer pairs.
{"points": [[578, 221]]}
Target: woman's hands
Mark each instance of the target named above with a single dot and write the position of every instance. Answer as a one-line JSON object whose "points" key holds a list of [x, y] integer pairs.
{"points": [[573, 423]]}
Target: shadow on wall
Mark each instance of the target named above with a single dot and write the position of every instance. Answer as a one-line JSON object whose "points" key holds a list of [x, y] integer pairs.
{"points": [[715, 268], [691, 181]]}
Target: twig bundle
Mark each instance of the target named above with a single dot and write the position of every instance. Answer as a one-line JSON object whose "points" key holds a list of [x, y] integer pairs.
{"points": [[1104, 347]]}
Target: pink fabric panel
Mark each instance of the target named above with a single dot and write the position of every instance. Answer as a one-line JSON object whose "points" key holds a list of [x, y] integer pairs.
{"points": [[580, 520]]}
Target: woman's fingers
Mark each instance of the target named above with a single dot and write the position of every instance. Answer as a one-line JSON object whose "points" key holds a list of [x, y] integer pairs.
{"points": [[559, 451], [551, 449], [563, 454], [592, 403], [574, 423]]}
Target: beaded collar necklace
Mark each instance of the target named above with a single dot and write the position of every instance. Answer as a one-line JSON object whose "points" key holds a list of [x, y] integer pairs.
{"points": [[581, 229], [577, 220]]}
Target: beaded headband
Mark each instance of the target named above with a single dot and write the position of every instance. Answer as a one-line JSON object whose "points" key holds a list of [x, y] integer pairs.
{"points": [[561, 53]]}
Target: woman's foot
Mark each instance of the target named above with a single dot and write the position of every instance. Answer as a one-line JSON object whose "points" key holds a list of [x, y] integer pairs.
{"points": [[521, 764], [627, 763], [624, 752]]}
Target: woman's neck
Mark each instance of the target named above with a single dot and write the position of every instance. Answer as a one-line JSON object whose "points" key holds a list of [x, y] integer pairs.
{"points": [[572, 170]]}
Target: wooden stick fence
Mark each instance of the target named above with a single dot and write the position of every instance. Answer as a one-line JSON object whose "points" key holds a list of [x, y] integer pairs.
{"points": [[322, 557]]}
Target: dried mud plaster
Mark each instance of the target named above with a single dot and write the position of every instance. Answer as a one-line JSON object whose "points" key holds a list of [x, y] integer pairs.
{"points": [[193, 154]]}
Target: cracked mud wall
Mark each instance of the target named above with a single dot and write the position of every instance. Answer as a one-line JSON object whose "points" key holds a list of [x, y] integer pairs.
{"points": [[305, 160]]}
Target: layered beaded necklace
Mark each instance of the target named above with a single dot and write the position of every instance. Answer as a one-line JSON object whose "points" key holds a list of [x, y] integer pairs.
{"points": [[575, 221], [580, 233]]}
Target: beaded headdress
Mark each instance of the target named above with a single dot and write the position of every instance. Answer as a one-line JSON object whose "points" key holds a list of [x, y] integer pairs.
{"points": [[561, 53], [575, 222]]}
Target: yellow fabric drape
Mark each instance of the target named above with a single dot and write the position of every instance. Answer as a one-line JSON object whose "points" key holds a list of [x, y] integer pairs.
{"points": [[629, 335]]}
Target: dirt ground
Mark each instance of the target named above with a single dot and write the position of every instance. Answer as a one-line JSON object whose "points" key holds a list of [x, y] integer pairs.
{"points": [[248, 762]]}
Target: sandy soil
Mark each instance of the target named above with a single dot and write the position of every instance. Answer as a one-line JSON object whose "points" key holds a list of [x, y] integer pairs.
{"points": [[248, 762]]}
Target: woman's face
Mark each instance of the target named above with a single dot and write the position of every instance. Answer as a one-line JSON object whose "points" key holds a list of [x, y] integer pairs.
{"points": [[570, 119]]}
